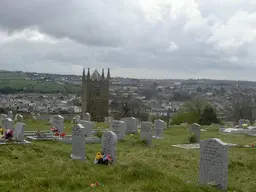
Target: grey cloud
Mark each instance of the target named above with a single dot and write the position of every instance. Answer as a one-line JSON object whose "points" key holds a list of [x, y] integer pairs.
{"points": [[120, 34]]}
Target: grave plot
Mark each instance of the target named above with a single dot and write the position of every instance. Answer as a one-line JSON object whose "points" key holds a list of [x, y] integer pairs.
{"points": [[41, 136], [14, 136]]}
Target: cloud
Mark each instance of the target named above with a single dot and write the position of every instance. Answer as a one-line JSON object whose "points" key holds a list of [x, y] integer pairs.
{"points": [[142, 38]]}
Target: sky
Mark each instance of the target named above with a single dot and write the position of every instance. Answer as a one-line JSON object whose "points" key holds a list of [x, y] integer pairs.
{"points": [[158, 39]]}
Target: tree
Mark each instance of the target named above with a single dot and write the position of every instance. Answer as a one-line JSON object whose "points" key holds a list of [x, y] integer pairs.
{"points": [[195, 105], [190, 112], [208, 116]]}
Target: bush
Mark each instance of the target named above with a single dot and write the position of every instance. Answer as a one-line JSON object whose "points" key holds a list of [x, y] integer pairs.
{"points": [[209, 116], [192, 138], [185, 117]]}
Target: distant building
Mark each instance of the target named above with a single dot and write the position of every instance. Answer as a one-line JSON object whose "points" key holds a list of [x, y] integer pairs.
{"points": [[95, 95]]}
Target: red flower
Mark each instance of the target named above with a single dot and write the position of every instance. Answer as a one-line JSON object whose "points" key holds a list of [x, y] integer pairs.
{"points": [[56, 134], [253, 145], [97, 183], [63, 135]]}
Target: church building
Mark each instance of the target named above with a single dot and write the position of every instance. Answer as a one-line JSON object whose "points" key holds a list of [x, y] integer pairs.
{"points": [[95, 95]]}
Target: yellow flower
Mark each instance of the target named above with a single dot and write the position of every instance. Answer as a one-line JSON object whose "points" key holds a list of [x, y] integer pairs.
{"points": [[2, 130], [98, 156]]}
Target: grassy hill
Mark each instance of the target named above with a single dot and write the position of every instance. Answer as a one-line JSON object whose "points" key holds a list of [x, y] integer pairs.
{"points": [[15, 82], [46, 165]]}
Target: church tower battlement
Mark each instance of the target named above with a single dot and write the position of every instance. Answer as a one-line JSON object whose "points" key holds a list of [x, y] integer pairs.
{"points": [[95, 94]]}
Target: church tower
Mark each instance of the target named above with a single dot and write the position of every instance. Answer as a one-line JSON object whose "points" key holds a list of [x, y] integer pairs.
{"points": [[95, 95]]}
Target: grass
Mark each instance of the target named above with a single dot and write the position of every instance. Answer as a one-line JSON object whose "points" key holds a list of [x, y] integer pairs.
{"points": [[46, 165], [16, 81]]}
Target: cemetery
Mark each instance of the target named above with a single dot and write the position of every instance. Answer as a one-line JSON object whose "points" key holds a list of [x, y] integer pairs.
{"points": [[135, 156]]}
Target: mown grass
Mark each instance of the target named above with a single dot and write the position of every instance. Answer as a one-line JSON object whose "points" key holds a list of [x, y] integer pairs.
{"points": [[46, 165]]}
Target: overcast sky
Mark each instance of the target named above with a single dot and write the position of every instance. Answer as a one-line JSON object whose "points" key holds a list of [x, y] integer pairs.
{"points": [[134, 38]]}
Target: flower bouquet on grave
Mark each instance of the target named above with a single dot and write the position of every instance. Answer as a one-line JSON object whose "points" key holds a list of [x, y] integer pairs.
{"points": [[2, 131], [102, 158], [54, 130], [63, 135], [56, 134], [8, 135]]}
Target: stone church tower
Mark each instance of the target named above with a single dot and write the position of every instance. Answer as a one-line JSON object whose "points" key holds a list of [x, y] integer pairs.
{"points": [[95, 95]]}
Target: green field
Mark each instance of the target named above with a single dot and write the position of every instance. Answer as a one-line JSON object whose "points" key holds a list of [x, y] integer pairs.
{"points": [[16, 83], [46, 165]]}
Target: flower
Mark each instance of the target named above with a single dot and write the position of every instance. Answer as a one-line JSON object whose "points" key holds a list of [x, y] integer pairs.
{"points": [[2, 130], [53, 129], [57, 134], [252, 145], [97, 183], [62, 134], [98, 156], [8, 134]]}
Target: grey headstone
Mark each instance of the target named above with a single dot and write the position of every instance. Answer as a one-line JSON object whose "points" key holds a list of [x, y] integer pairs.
{"points": [[196, 129], [78, 142], [108, 144], [19, 131], [10, 115], [159, 129], [146, 132], [214, 163], [8, 124], [88, 125], [58, 122], [119, 128], [2, 118], [131, 125]]}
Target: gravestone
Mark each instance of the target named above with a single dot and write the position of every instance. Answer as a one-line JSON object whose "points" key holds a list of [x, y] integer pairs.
{"points": [[88, 125], [131, 125], [159, 129], [119, 128], [19, 118], [19, 131], [87, 117], [10, 115], [196, 129], [78, 142], [58, 123], [2, 118], [8, 124], [108, 144], [214, 163], [76, 119], [146, 132]]}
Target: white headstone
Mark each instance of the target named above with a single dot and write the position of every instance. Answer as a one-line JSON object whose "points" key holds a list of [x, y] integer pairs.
{"points": [[87, 117], [58, 122], [146, 132], [214, 163], [76, 119], [131, 125], [159, 129], [119, 128], [8, 124], [108, 144], [196, 129], [19, 131], [78, 142], [10, 115], [88, 125]]}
